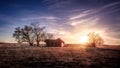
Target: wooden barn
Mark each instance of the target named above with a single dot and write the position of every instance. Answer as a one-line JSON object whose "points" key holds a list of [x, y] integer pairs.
{"points": [[54, 42]]}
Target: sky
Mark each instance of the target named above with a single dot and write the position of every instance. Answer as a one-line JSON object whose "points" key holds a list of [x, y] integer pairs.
{"points": [[66, 19]]}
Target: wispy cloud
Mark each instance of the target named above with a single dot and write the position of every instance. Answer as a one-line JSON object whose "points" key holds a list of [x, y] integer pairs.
{"points": [[82, 14], [57, 3], [97, 11], [109, 5], [51, 19]]}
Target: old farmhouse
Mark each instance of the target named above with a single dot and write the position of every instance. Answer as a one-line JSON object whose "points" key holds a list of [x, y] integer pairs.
{"points": [[54, 42]]}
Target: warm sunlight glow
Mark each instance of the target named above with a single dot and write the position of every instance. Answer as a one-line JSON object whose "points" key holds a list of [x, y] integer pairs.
{"points": [[84, 39]]}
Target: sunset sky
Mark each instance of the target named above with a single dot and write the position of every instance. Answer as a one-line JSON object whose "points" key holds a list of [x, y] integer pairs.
{"points": [[66, 19]]}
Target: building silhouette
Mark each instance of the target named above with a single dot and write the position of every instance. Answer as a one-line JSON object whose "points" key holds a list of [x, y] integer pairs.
{"points": [[54, 42]]}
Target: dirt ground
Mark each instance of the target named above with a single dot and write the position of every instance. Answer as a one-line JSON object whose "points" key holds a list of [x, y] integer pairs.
{"points": [[60, 57]]}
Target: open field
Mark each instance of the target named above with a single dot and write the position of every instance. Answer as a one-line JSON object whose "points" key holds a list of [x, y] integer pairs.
{"points": [[59, 57]]}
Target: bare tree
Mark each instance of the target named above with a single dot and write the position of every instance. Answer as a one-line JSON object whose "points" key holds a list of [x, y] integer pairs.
{"points": [[38, 32], [95, 39], [49, 35], [17, 35], [31, 34], [27, 35]]}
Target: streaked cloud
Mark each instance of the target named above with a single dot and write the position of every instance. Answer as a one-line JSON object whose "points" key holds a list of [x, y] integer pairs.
{"points": [[56, 3], [82, 14]]}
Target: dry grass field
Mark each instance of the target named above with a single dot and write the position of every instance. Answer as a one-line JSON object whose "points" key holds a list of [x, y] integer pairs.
{"points": [[59, 57]]}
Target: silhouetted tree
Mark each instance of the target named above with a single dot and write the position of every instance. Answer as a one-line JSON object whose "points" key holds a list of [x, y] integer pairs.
{"points": [[31, 34], [49, 36], [95, 39], [17, 35], [38, 32], [28, 35]]}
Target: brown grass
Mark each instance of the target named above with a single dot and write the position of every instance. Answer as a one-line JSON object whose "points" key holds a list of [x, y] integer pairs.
{"points": [[59, 57]]}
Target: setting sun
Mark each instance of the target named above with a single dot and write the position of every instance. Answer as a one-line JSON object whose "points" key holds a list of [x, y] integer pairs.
{"points": [[84, 39]]}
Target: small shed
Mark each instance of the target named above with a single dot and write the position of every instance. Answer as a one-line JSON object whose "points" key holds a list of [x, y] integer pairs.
{"points": [[54, 42]]}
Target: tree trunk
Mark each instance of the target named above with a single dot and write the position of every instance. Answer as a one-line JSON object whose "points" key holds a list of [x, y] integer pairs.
{"points": [[37, 43], [31, 44], [94, 45]]}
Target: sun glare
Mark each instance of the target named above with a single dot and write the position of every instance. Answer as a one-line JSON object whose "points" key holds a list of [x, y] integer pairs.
{"points": [[84, 39]]}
